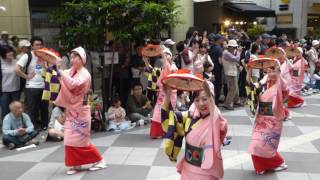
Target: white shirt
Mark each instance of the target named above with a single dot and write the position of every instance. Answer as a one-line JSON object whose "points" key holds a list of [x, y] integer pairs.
{"points": [[190, 65], [255, 72], [10, 80], [37, 81]]}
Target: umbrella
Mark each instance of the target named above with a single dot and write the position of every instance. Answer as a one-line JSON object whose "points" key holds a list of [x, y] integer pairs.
{"points": [[292, 51], [152, 50], [274, 52], [49, 55], [183, 80], [262, 63]]}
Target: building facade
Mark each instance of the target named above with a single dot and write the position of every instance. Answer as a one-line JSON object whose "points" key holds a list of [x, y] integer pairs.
{"points": [[297, 18], [15, 17]]}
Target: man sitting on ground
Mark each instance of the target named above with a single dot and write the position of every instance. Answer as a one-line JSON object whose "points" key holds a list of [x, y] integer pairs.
{"points": [[138, 106], [17, 128]]}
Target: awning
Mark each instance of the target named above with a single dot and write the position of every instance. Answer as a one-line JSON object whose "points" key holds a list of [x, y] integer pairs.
{"points": [[249, 9]]}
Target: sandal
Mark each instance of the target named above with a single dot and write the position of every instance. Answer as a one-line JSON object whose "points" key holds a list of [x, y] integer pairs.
{"points": [[74, 170], [99, 165]]}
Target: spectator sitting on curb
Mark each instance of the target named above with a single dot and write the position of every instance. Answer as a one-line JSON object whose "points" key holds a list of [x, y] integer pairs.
{"points": [[17, 128], [56, 124], [138, 106], [116, 115]]}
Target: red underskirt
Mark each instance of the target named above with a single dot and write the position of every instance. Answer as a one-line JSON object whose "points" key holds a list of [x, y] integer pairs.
{"points": [[295, 101], [156, 130], [263, 164], [77, 156]]}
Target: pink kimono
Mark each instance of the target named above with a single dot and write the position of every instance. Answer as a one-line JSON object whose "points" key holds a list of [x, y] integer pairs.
{"points": [[209, 134], [73, 96], [156, 129], [205, 133], [297, 75], [267, 128]]}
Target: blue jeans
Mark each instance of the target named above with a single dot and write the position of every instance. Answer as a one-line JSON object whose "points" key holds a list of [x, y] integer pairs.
{"points": [[18, 140], [6, 99], [317, 84]]}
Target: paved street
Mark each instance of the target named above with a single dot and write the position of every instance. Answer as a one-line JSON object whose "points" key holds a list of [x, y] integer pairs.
{"points": [[133, 156]]}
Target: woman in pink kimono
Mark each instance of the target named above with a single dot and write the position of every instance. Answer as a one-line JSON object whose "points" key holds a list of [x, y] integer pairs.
{"points": [[285, 69], [268, 125], [168, 67], [203, 129], [297, 76], [75, 84]]}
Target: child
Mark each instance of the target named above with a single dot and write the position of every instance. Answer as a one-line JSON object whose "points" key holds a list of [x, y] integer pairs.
{"points": [[56, 124], [116, 116], [208, 68]]}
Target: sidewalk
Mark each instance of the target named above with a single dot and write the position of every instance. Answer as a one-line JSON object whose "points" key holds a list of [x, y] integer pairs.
{"points": [[134, 156]]}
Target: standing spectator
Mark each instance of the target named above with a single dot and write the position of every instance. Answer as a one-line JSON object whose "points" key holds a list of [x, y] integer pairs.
{"points": [[255, 73], [17, 127], [312, 55], [266, 38], [138, 106], [10, 82], [15, 42], [23, 48], [136, 64], [244, 58], [190, 55], [5, 39], [230, 61], [169, 43], [215, 53], [56, 124], [121, 74], [34, 85]]}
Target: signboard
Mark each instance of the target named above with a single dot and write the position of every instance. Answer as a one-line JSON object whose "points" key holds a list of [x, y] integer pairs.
{"points": [[108, 58], [284, 19]]}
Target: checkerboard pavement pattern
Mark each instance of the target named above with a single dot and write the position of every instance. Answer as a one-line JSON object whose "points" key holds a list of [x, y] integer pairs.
{"points": [[133, 155]]}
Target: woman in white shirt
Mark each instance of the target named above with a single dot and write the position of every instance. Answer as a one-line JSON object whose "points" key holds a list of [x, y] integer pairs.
{"points": [[10, 82]]}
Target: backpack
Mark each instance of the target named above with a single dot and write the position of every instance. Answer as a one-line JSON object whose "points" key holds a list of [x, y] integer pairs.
{"points": [[97, 121], [22, 80]]}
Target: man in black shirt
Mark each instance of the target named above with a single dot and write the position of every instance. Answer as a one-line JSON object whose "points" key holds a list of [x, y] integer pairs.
{"points": [[215, 53]]}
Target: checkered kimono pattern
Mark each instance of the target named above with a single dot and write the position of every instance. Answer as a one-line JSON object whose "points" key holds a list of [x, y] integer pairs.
{"points": [[176, 125], [153, 74], [52, 84]]}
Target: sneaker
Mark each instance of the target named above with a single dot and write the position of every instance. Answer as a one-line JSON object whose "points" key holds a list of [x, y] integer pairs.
{"points": [[227, 141], [283, 166], [260, 172], [32, 141], [99, 165], [11, 146], [74, 170]]}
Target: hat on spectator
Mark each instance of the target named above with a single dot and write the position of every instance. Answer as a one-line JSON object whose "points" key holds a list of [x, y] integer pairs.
{"points": [[266, 36], [169, 42], [167, 50], [232, 43], [24, 43], [274, 36], [218, 37], [315, 42], [211, 36], [82, 53], [4, 32]]}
